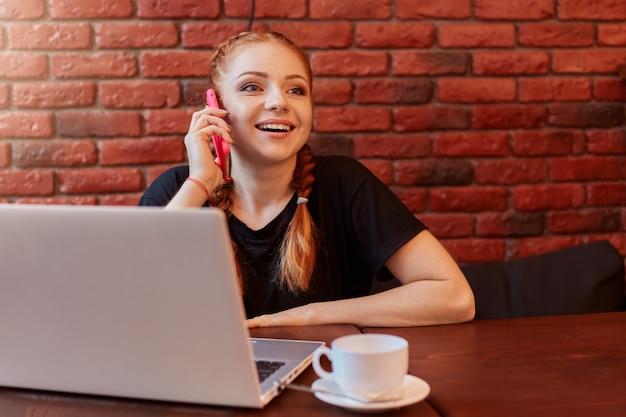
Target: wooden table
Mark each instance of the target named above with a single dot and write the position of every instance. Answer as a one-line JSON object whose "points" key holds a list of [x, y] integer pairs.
{"points": [[552, 366], [26, 403]]}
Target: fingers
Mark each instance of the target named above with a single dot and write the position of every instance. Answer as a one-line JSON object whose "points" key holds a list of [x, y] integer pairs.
{"points": [[265, 320], [252, 323], [210, 121], [291, 317], [203, 125]]}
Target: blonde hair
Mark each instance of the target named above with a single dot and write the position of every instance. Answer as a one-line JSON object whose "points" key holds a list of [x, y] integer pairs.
{"points": [[298, 249]]}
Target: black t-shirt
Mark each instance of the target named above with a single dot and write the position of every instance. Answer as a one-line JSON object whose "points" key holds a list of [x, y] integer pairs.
{"points": [[361, 223]]}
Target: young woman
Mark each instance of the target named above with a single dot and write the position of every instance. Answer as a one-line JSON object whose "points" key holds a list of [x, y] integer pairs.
{"points": [[309, 233]]}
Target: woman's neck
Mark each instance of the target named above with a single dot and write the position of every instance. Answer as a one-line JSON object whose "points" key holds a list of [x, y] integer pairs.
{"points": [[259, 195]]}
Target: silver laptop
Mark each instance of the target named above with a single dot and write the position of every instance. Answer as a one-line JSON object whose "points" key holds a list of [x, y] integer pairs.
{"points": [[130, 302]]}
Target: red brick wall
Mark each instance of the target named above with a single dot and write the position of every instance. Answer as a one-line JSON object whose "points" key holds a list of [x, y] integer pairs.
{"points": [[500, 123]]}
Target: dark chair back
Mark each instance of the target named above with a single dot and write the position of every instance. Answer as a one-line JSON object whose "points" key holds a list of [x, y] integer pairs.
{"points": [[586, 278]]}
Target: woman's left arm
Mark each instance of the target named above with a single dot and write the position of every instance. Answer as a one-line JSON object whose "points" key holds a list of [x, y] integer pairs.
{"points": [[434, 291]]}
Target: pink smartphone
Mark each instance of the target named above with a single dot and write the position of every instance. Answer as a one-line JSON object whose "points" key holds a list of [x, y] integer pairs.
{"points": [[222, 148]]}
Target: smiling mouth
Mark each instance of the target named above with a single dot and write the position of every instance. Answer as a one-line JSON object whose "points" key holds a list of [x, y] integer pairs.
{"points": [[275, 127]]}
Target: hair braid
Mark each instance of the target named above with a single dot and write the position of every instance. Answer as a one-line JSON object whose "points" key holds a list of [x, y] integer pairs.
{"points": [[221, 198], [298, 250]]}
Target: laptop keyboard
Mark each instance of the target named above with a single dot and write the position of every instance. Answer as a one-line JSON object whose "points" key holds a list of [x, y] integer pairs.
{"points": [[267, 368]]}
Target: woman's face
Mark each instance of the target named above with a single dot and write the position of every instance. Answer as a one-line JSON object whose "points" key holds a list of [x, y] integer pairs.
{"points": [[266, 92]]}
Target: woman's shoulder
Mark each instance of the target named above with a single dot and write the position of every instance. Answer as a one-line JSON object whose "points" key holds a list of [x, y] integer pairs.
{"points": [[172, 177], [165, 186], [179, 171], [333, 166]]}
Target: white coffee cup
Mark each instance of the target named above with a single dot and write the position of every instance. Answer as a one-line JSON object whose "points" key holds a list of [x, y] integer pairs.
{"points": [[370, 367]]}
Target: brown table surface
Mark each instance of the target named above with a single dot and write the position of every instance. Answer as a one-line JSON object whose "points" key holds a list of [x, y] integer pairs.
{"points": [[550, 366], [30, 403]]}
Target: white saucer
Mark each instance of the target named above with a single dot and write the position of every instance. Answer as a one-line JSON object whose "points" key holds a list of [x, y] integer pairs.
{"points": [[415, 389]]}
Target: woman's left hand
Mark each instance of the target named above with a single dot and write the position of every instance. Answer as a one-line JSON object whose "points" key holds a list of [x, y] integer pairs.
{"points": [[297, 316]]}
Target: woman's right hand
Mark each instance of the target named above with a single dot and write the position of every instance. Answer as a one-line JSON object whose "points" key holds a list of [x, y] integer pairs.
{"points": [[205, 123]]}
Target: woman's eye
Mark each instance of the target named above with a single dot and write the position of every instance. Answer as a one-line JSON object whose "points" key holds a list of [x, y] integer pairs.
{"points": [[298, 91], [250, 87]]}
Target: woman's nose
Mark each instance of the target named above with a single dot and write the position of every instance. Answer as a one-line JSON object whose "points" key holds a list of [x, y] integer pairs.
{"points": [[276, 101]]}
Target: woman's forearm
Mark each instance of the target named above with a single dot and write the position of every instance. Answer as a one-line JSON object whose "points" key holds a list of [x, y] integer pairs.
{"points": [[415, 304], [189, 195], [425, 302]]}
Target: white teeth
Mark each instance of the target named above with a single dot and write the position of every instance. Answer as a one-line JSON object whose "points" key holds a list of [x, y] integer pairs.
{"points": [[275, 127]]}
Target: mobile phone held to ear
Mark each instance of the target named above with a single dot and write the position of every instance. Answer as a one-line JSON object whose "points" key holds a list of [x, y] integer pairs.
{"points": [[222, 148]]}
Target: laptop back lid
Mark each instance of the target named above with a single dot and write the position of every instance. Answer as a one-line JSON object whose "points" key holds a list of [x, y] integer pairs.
{"points": [[116, 301]]}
